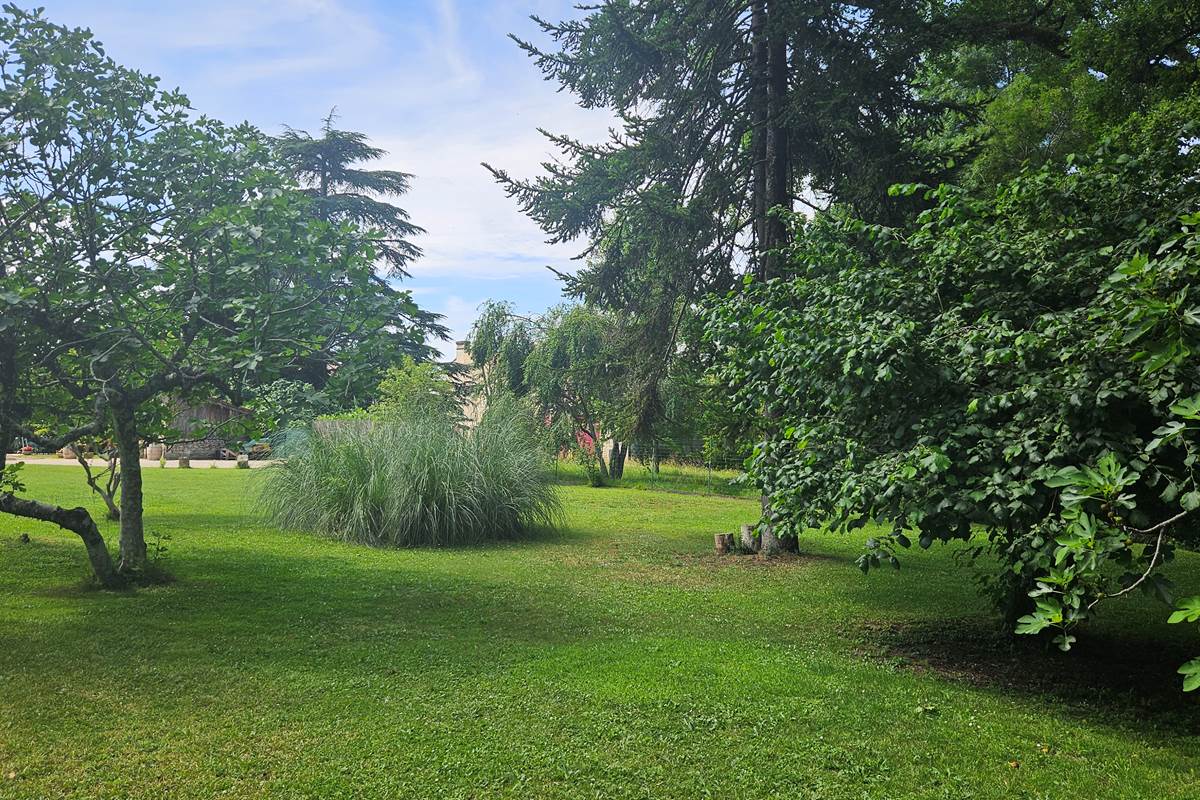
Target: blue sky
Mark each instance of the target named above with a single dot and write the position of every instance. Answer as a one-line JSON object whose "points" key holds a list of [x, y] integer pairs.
{"points": [[435, 82]]}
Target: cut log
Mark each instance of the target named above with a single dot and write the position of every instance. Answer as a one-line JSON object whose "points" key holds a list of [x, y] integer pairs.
{"points": [[184, 463], [243, 461], [722, 543], [748, 542]]}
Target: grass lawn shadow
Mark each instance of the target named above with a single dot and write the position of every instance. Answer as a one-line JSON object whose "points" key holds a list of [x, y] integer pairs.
{"points": [[1101, 673]]}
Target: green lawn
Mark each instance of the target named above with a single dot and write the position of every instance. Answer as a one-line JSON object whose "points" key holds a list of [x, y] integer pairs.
{"points": [[619, 658], [670, 477]]}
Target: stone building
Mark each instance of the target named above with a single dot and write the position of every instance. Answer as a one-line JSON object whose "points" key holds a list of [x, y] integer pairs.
{"points": [[199, 431], [466, 374]]}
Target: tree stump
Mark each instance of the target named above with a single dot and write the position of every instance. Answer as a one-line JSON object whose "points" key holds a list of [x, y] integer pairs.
{"points": [[243, 461], [184, 463], [748, 542], [722, 542], [770, 544]]}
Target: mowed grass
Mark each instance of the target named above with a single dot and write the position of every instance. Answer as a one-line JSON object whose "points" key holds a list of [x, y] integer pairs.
{"points": [[618, 658], [671, 477]]}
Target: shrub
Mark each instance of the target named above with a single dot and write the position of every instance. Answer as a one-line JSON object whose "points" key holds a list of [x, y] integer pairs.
{"points": [[416, 481]]}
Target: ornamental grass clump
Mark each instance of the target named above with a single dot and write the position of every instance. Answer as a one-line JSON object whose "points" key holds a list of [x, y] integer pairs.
{"points": [[408, 482]]}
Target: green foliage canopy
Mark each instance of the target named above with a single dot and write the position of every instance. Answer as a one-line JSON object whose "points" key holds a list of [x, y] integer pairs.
{"points": [[146, 253], [417, 389], [1020, 362], [726, 111]]}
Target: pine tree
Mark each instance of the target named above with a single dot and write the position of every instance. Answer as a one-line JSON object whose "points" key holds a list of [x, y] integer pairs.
{"points": [[729, 112], [328, 170], [726, 112]]}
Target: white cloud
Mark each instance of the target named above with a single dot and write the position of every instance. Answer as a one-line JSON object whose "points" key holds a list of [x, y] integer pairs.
{"points": [[440, 89], [473, 227], [229, 43], [450, 42]]}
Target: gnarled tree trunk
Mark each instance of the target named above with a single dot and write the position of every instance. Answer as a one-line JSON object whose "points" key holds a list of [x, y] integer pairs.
{"points": [[76, 520]]}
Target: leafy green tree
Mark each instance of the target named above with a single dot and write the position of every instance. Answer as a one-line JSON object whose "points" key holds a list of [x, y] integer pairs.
{"points": [[330, 169], [1010, 104], [575, 373], [283, 404], [69, 201], [499, 343], [417, 390], [568, 362], [727, 111], [1018, 365], [148, 255]]}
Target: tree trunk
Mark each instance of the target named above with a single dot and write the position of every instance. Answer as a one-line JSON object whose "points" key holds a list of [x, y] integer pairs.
{"points": [[76, 520], [598, 451], [769, 544], [8, 391], [133, 540], [777, 156], [758, 122], [771, 65], [616, 464], [1015, 604], [747, 540]]}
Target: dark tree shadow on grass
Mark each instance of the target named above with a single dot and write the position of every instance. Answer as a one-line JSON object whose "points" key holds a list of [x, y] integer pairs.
{"points": [[1102, 674], [303, 611]]}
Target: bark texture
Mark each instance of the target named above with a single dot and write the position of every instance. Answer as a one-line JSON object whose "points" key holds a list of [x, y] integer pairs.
{"points": [[616, 463], [133, 540], [748, 541]]}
